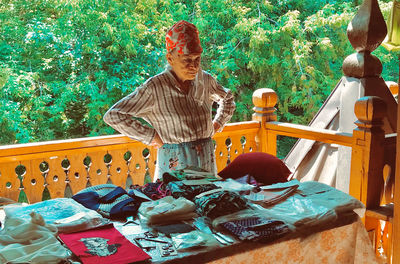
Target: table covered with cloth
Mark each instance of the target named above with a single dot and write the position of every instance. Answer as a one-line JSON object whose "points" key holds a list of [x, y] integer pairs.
{"points": [[348, 243], [342, 241], [323, 229]]}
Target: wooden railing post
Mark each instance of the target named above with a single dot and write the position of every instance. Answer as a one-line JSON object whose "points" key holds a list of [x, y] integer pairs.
{"points": [[264, 101], [362, 69], [367, 157]]}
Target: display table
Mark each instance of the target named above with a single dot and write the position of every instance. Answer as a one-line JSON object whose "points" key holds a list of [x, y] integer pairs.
{"points": [[345, 241], [344, 244], [325, 229]]}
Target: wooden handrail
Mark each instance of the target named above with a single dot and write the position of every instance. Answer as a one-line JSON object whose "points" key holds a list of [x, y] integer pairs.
{"points": [[100, 141], [306, 132], [23, 166], [67, 144]]}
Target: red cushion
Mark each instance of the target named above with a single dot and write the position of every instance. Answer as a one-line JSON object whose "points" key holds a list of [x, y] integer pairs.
{"points": [[265, 168]]}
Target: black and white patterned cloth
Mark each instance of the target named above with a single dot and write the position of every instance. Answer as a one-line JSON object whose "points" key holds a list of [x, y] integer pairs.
{"points": [[256, 229]]}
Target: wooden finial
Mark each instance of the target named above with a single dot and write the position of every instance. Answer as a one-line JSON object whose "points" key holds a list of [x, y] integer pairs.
{"points": [[368, 28], [264, 101], [370, 111], [362, 64], [365, 32]]}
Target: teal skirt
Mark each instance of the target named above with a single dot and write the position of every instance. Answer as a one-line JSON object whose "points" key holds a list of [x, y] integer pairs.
{"points": [[195, 154]]}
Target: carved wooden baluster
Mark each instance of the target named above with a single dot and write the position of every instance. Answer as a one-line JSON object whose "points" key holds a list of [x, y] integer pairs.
{"points": [[387, 190], [228, 144], [87, 162], [107, 162], [264, 101], [66, 165], [243, 143], [146, 156], [20, 170], [44, 169], [128, 159]]}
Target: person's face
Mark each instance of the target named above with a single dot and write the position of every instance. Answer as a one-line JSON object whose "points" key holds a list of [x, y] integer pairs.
{"points": [[184, 66]]}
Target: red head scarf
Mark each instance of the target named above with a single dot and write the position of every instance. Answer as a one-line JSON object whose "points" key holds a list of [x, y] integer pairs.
{"points": [[183, 36]]}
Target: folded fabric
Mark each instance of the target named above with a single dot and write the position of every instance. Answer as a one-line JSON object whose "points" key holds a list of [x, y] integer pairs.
{"points": [[217, 202], [256, 229], [109, 200], [193, 240], [273, 194], [313, 203], [103, 245], [174, 228], [167, 210], [30, 241], [5, 201], [65, 213], [189, 173], [234, 185], [181, 189]]}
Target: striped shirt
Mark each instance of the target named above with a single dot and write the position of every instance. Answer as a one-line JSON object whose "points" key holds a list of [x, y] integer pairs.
{"points": [[177, 117]]}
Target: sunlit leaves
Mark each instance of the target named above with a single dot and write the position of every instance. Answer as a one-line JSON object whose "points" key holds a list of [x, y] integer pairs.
{"points": [[63, 63]]}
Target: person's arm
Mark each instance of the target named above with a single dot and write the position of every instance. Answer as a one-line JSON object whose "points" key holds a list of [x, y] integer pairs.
{"points": [[120, 116], [226, 104]]}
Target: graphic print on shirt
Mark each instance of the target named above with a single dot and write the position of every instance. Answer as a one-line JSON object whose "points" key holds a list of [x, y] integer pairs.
{"points": [[97, 246]]}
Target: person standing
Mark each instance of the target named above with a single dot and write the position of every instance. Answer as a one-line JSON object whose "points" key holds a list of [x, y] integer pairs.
{"points": [[177, 103]]}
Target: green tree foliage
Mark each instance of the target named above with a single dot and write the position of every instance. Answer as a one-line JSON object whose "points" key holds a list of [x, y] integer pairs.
{"points": [[63, 63]]}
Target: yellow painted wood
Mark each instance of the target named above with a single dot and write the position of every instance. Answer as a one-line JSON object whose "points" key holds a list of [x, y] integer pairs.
{"points": [[221, 153], [118, 168], [366, 178], [77, 172], [9, 177], [264, 100], [34, 182], [371, 225], [55, 177], [271, 143], [387, 240], [26, 179], [62, 145], [306, 132], [98, 170]]}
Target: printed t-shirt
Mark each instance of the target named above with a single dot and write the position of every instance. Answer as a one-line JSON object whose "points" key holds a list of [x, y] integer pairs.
{"points": [[103, 245]]}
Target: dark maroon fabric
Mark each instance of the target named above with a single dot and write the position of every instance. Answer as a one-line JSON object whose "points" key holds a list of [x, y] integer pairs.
{"points": [[265, 168]]}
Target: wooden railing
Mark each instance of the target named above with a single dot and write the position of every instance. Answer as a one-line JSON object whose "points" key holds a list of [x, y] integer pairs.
{"points": [[31, 172], [372, 159]]}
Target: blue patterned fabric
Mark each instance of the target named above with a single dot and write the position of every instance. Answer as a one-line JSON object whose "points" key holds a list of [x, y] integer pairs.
{"points": [[256, 229], [180, 189], [219, 203], [109, 200]]}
